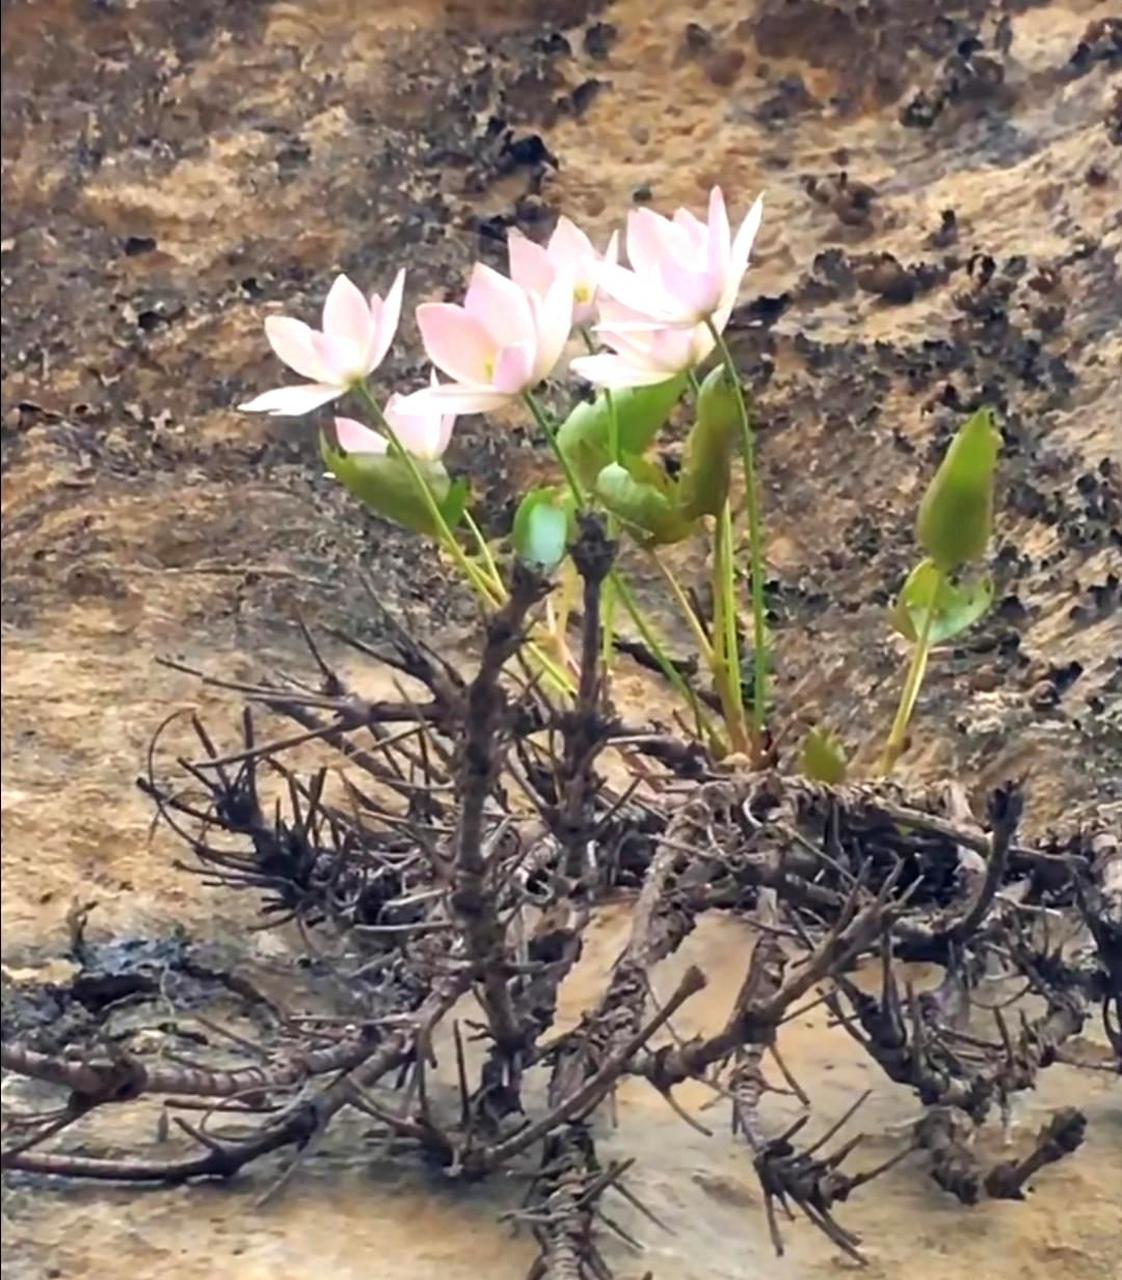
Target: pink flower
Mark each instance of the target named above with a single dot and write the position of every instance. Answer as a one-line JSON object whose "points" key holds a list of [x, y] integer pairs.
{"points": [[642, 353], [683, 271], [535, 267], [355, 338], [502, 342], [416, 421]]}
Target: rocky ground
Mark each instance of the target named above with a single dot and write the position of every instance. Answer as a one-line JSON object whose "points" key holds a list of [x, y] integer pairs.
{"points": [[942, 230]]}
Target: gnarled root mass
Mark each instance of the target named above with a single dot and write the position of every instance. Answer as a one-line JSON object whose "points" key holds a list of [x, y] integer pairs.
{"points": [[456, 846]]}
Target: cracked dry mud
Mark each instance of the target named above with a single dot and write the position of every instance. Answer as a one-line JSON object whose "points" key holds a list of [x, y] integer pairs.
{"points": [[942, 230]]}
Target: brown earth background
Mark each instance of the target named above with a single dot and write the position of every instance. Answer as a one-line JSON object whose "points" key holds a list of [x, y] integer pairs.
{"points": [[943, 229]]}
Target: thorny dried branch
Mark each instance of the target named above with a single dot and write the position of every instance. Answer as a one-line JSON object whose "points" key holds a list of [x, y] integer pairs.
{"points": [[454, 846]]}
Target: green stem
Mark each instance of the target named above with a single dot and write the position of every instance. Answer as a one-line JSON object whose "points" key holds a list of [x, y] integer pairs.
{"points": [[726, 677], [694, 622], [492, 592], [704, 726], [444, 535], [608, 593], [755, 537], [917, 668], [617, 584], [546, 426], [726, 636], [486, 556]]}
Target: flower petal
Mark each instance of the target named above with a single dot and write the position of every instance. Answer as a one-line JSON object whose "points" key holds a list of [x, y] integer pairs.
{"points": [[553, 322], [696, 293], [420, 423], [615, 372], [293, 402], [341, 358], [457, 397], [690, 234], [647, 240], [455, 342], [530, 265], [294, 342], [570, 247], [720, 236], [500, 306], [514, 369], [346, 313], [745, 235], [738, 263], [639, 291], [355, 437], [386, 316]]}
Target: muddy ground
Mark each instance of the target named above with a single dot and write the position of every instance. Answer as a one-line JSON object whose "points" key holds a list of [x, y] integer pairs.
{"points": [[943, 185]]}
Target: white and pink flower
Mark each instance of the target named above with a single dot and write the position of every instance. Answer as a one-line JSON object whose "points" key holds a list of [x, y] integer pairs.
{"points": [[568, 251], [353, 342], [684, 271], [420, 426], [500, 344]]}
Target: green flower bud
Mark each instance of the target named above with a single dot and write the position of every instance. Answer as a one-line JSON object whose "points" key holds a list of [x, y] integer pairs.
{"points": [[704, 485], [541, 529]]}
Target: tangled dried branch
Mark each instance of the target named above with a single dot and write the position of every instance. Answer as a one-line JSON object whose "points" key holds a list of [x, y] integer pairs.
{"points": [[443, 858]]}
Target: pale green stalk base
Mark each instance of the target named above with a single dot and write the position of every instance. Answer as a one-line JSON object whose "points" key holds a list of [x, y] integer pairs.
{"points": [[726, 662], [485, 553], [917, 668], [703, 726], [546, 426], [713, 654], [617, 586], [608, 596], [756, 548], [487, 585]]}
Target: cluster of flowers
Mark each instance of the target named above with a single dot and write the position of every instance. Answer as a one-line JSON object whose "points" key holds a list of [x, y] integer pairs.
{"points": [[656, 318], [647, 327]]}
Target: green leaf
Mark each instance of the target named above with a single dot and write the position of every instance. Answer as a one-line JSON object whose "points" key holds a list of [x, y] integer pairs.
{"points": [[823, 757], [585, 434], [958, 605], [704, 485], [643, 498], [385, 484], [956, 514], [456, 502], [541, 529]]}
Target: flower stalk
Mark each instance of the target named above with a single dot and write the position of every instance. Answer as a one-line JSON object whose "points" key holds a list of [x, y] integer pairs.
{"points": [[756, 553], [917, 669]]}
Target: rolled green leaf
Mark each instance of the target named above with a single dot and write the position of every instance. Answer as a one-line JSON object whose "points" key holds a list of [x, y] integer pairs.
{"points": [[958, 605], [541, 528], [956, 514], [642, 497], [704, 485], [640, 411], [823, 757], [386, 485]]}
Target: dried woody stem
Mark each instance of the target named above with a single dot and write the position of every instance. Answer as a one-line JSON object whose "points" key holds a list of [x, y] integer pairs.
{"points": [[473, 900], [426, 882]]}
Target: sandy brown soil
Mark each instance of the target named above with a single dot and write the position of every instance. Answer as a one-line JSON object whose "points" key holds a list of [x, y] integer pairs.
{"points": [[171, 171]]}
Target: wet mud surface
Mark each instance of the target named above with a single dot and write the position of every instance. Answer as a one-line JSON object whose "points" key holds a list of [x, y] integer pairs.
{"points": [[942, 230]]}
